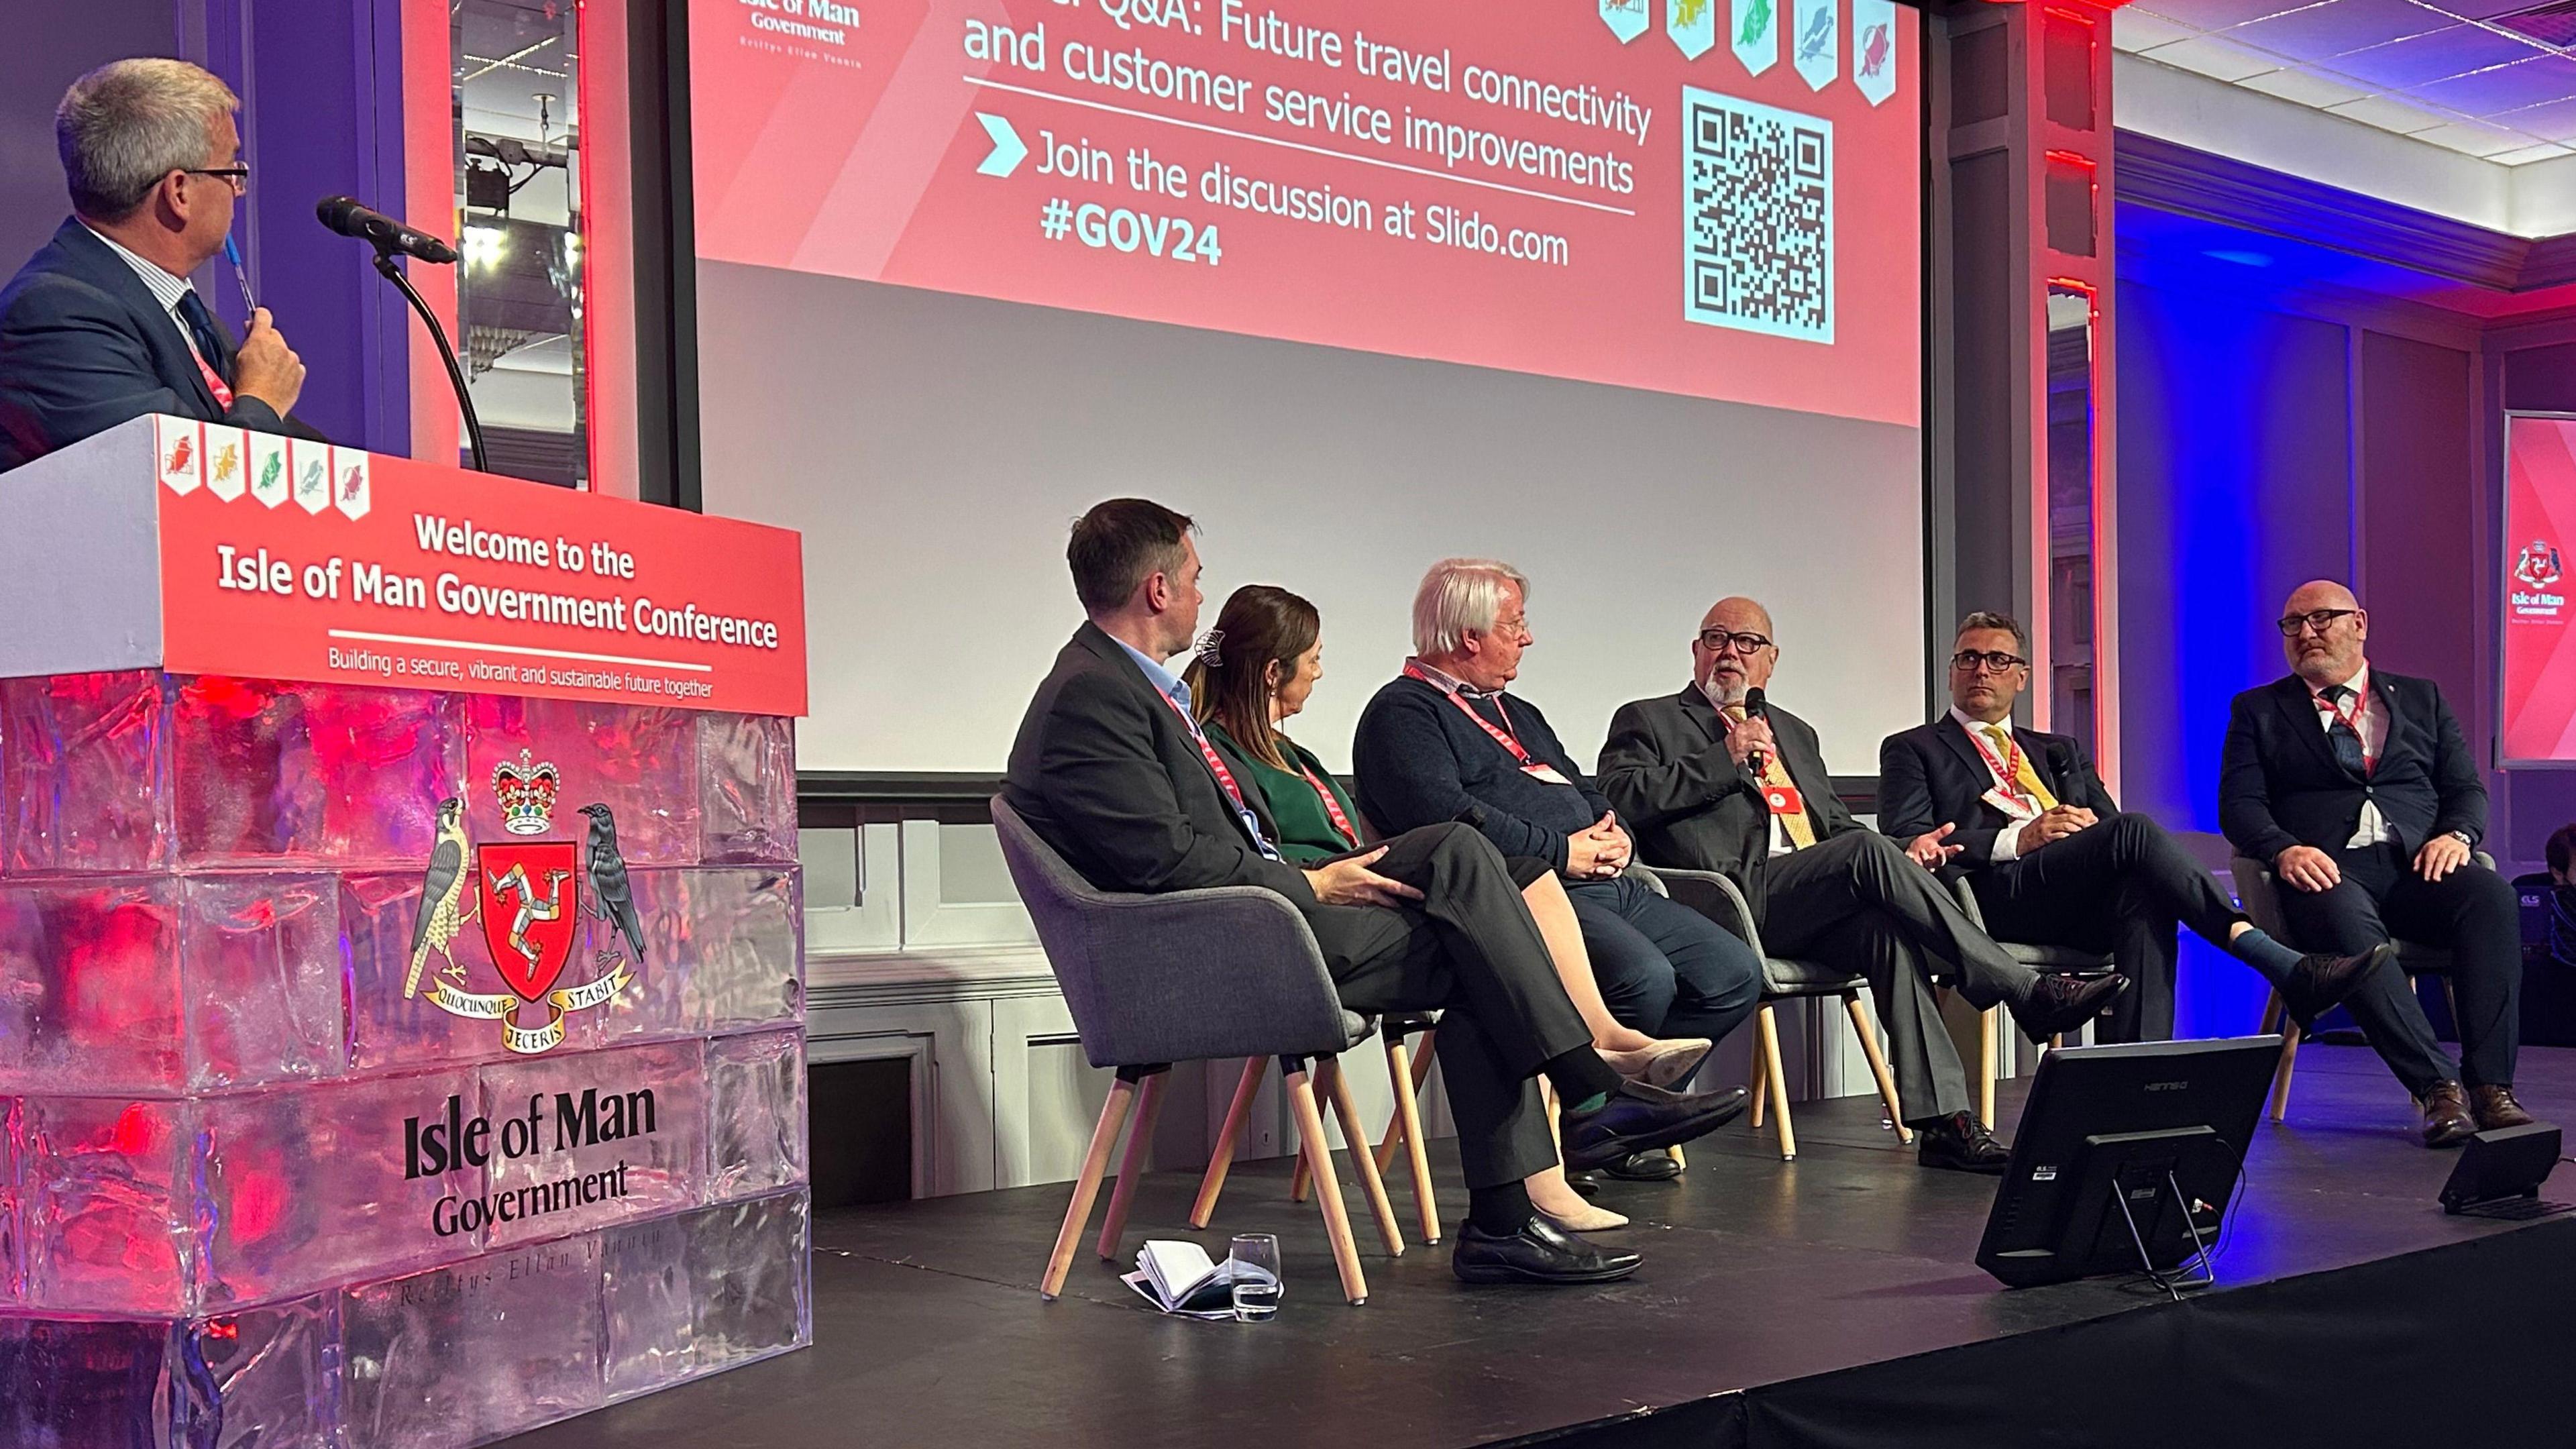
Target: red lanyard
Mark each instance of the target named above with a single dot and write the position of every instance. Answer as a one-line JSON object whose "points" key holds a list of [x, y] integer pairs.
{"points": [[214, 379], [2351, 722], [1332, 806], [1207, 752], [1501, 737], [2007, 768]]}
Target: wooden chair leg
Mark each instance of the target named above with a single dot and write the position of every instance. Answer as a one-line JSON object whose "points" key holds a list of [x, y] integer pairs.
{"points": [[1420, 1057], [1406, 1124], [1311, 1147], [2281, 1073], [1131, 1166], [2274, 1009], [1757, 1085], [1372, 1184], [1221, 1157], [1678, 1160], [1986, 1064], [1086, 1188], [1877, 1065], [1767, 1024]]}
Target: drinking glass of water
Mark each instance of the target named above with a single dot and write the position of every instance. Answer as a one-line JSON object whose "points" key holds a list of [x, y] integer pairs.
{"points": [[1253, 1268]]}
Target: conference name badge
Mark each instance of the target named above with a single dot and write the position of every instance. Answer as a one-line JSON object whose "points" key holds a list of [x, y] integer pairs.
{"points": [[2014, 805], [1544, 773], [1784, 800]]}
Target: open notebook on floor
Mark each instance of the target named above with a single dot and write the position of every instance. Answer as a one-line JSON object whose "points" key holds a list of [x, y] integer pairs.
{"points": [[1179, 1277]]}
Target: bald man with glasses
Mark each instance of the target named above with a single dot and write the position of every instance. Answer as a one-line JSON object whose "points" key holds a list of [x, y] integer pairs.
{"points": [[2053, 859], [1707, 786], [2358, 788]]}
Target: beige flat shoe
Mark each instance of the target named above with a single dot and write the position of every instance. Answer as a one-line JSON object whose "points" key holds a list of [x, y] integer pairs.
{"points": [[1590, 1220], [1663, 1063]]}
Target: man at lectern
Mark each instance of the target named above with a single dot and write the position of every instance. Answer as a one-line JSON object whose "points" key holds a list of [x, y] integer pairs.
{"points": [[2357, 787], [1112, 770], [102, 324]]}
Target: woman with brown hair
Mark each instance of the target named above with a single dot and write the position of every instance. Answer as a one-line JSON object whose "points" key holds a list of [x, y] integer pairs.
{"points": [[1266, 655]]}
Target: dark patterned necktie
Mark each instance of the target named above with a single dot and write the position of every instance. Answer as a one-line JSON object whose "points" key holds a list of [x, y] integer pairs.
{"points": [[201, 327], [2340, 735]]}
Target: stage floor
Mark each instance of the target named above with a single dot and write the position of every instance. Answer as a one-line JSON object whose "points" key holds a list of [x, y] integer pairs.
{"points": [[928, 1327]]}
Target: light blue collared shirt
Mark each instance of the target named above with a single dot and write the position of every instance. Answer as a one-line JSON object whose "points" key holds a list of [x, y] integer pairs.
{"points": [[1177, 690]]}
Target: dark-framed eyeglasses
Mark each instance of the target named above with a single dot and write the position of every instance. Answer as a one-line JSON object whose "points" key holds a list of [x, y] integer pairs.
{"points": [[1716, 641], [2318, 619], [238, 175], [1986, 661]]}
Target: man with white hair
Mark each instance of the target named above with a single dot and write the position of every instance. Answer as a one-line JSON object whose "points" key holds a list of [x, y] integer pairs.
{"points": [[1443, 742], [102, 325]]}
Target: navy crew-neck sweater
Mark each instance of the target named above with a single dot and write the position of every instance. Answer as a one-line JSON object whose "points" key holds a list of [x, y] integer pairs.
{"points": [[1420, 761]]}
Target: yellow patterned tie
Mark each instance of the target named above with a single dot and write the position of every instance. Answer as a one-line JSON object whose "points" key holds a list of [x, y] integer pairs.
{"points": [[1775, 776], [2027, 777]]}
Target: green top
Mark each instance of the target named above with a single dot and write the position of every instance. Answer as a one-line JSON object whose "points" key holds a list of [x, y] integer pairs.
{"points": [[1306, 832]]}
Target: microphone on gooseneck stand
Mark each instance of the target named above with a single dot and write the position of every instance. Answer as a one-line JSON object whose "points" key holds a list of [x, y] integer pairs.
{"points": [[344, 215], [1755, 707]]}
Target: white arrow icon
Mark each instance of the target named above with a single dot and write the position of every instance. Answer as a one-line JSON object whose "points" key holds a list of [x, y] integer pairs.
{"points": [[1008, 149]]}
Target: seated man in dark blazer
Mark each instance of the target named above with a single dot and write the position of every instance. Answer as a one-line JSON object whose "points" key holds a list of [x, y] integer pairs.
{"points": [[1111, 771], [1444, 741], [1709, 788], [102, 325], [2357, 787], [2055, 862]]}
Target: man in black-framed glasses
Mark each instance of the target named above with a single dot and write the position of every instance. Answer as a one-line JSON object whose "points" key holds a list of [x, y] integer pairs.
{"points": [[2357, 787], [2053, 858], [103, 324], [1709, 782]]}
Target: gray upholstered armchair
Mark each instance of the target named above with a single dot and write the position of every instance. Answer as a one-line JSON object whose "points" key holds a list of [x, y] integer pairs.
{"points": [[1187, 976]]}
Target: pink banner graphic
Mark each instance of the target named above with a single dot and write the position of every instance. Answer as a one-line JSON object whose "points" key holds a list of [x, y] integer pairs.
{"points": [[1554, 188], [2539, 651]]}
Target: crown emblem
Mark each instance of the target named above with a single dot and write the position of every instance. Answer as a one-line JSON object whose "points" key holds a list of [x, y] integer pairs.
{"points": [[526, 793]]}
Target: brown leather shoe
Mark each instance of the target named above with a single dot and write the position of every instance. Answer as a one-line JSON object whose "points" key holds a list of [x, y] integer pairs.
{"points": [[2446, 1116], [2495, 1107]]}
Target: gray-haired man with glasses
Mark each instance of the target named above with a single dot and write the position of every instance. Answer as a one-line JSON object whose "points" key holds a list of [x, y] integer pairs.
{"points": [[103, 325], [2358, 787], [1708, 784], [2055, 861]]}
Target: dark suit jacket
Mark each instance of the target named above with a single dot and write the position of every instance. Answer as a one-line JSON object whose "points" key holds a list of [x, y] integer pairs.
{"points": [[1105, 772], [2279, 785], [1932, 775], [1666, 769], [84, 346]]}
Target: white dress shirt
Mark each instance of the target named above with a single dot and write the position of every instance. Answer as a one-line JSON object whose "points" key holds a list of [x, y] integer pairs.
{"points": [[2372, 725], [2007, 844], [166, 287]]}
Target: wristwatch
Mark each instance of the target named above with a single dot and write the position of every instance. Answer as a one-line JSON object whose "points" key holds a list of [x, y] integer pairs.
{"points": [[2463, 837]]}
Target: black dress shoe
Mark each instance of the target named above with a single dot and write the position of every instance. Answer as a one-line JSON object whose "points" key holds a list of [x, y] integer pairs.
{"points": [[2063, 1003], [1656, 1166], [1540, 1252], [1586, 1183], [1960, 1143], [1639, 1118], [2320, 983]]}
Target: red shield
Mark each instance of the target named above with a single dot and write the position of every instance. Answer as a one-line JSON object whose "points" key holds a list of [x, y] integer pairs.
{"points": [[530, 895]]}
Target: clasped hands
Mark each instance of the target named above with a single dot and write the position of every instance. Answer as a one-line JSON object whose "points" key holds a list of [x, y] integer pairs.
{"points": [[1600, 851], [2055, 823]]}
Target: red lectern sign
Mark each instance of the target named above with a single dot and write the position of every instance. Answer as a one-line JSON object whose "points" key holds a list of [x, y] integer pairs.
{"points": [[2539, 650], [282, 559]]}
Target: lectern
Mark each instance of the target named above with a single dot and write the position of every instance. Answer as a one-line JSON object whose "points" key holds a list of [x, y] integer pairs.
{"points": [[401, 969]]}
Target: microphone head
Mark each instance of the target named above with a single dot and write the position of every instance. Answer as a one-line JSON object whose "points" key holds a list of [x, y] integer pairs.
{"points": [[1754, 703], [338, 213]]}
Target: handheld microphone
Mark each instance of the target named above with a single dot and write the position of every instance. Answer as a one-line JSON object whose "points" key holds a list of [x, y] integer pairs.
{"points": [[1755, 707], [346, 216]]}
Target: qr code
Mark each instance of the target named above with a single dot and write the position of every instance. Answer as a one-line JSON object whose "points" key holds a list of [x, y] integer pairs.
{"points": [[1757, 217]]}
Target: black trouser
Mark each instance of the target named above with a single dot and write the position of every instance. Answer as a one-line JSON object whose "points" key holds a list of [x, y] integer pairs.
{"points": [[1468, 949], [1859, 902], [1664, 969], [2472, 911], [2119, 886]]}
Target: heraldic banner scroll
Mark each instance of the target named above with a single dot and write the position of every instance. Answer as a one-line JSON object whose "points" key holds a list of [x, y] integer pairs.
{"points": [[401, 982]]}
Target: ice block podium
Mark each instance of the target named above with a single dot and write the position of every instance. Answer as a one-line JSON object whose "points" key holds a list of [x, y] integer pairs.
{"points": [[401, 958]]}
